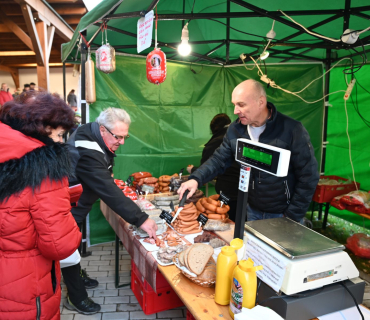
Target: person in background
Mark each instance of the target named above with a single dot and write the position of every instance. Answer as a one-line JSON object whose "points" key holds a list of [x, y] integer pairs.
{"points": [[37, 227], [258, 120], [228, 181], [5, 95], [77, 122], [92, 149], [17, 93], [32, 86], [26, 87], [72, 100]]}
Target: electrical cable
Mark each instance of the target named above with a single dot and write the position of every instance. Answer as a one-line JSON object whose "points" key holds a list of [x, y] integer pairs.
{"points": [[319, 35], [354, 299], [349, 145], [274, 85], [193, 71]]}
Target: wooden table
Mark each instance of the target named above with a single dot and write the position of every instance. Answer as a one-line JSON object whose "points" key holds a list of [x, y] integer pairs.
{"points": [[199, 301]]}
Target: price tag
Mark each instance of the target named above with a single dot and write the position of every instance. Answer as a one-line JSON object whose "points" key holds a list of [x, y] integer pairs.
{"points": [[244, 178], [145, 31]]}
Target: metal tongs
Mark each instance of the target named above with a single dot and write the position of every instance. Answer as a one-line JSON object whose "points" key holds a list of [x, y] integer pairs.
{"points": [[181, 205]]}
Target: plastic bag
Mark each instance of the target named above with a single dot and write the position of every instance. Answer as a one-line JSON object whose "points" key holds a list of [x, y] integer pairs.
{"points": [[355, 198], [359, 244], [145, 204], [216, 225], [106, 56], [336, 203]]}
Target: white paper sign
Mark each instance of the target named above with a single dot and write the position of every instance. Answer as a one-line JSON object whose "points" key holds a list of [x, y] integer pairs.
{"points": [[145, 31], [262, 254], [244, 178]]}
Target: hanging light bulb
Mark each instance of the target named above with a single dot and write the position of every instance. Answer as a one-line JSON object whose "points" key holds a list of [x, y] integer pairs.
{"points": [[184, 48], [264, 55]]}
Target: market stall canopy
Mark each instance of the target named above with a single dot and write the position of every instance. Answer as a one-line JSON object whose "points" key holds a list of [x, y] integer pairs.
{"points": [[220, 31]]}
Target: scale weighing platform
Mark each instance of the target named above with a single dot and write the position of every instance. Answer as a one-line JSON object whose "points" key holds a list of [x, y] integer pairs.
{"points": [[313, 269]]}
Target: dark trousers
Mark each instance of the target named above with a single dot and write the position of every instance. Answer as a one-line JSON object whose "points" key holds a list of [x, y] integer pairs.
{"points": [[74, 282]]}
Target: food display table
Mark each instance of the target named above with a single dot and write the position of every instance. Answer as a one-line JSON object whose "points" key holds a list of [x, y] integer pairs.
{"points": [[198, 300], [143, 259]]}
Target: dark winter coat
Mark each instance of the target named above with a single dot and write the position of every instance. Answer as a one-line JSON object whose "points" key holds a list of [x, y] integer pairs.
{"points": [[36, 226], [94, 164], [228, 181], [289, 195]]}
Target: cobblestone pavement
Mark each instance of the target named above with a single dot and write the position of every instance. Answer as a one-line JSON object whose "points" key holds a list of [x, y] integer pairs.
{"points": [[121, 303], [115, 303]]}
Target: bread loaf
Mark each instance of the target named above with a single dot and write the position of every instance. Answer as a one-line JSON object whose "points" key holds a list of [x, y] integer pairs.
{"points": [[198, 256]]}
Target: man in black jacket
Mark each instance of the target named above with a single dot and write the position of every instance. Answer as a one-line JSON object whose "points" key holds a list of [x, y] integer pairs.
{"points": [[92, 148], [269, 196]]}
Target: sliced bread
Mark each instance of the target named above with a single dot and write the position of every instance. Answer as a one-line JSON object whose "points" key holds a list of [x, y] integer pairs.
{"points": [[186, 256], [198, 256], [181, 258]]}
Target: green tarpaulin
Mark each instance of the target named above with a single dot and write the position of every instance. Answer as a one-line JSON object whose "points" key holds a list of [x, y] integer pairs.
{"points": [[170, 122]]}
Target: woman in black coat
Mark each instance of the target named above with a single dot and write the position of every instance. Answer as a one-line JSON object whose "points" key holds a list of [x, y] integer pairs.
{"points": [[229, 180]]}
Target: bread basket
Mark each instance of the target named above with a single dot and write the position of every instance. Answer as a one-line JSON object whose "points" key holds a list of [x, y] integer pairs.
{"points": [[206, 279]]}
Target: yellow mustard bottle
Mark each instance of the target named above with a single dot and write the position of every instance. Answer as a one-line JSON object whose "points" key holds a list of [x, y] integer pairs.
{"points": [[243, 287], [226, 262]]}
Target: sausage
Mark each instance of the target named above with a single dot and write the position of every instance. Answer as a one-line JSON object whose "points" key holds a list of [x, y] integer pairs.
{"points": [[210, 212], [223, 210], [214, 202], [139, 175], [200, 206], [188, 218], [214, 197], [163, 184], [215, 216], [150, 180], [166, 178], [209, 206]]}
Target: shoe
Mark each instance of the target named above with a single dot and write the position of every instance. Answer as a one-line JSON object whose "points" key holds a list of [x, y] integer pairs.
{"points": [[85, 307], [88, 282]]}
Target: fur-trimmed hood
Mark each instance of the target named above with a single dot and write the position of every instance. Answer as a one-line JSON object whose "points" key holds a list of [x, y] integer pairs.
{"points": [[31, 163]]}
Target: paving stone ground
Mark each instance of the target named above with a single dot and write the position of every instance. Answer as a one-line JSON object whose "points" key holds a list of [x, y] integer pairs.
{"points": [[116, 304], [121, 304]]}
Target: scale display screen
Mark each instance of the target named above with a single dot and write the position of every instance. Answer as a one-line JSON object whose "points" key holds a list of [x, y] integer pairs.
{"points": [[257, 155], [263, 157]]}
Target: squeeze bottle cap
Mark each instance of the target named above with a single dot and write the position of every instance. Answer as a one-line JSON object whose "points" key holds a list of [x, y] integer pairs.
{"points": [[227, 250], [246, 265], [236, 243]]}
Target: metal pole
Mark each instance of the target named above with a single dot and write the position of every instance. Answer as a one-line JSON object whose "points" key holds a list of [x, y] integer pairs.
{"points": [[228, 34], [241, 206], [64, 82]]}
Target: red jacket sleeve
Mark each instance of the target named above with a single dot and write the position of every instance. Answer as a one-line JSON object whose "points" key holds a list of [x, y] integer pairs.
{"points": [[58, 233]]}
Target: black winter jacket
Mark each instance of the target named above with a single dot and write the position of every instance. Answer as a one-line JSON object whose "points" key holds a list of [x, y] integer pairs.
{"points": [[289, 195], [94, 171], [228, 181]]}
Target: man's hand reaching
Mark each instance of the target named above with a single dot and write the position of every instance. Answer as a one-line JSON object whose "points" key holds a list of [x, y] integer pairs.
{"points": [[150, 227]]}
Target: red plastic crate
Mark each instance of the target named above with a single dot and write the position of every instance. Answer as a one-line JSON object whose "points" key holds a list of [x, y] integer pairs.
{"points": [[152, 302], [189, 316], [161, 282], [325, 193]]}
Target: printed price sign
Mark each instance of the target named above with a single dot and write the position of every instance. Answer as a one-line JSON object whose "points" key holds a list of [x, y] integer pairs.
{"points": [[274, 267], [145, 31]]}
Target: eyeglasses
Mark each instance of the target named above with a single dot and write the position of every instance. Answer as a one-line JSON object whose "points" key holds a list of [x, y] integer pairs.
{"points": [[115, 136]]}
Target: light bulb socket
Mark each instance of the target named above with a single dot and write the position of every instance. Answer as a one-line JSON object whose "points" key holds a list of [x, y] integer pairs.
{"points": [[271, 34], [185, 33], [264, 55]]}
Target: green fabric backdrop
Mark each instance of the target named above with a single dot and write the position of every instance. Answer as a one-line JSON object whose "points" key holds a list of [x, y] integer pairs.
{"points": [[170, 122]]}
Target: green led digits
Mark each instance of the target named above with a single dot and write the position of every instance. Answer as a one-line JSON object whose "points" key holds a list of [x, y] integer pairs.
{"points": [[257, 155]]}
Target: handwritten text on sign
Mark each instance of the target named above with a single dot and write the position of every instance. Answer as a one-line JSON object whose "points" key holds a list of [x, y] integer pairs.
{"points": [[263, 255], [145, 31]]}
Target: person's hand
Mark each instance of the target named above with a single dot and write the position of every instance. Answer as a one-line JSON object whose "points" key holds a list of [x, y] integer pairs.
{"points": [[190, 185], [150, 227], [189, 167]]}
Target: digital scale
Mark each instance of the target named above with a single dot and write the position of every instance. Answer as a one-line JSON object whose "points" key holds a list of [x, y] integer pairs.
{"points": [[312, 266]]}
